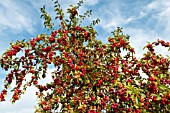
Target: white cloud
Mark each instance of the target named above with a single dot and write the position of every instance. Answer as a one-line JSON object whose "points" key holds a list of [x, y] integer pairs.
{"points": [[112, 16], [161, 15], [17, 16], [89, 2], [141, 33], [27, 101], [24, 105], [139, 39], [1, 81], [74, 2]]}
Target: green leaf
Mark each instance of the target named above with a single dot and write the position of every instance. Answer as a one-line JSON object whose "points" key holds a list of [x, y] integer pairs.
{"points": [[143, 95], [108, 106], [158, 97], [143, 110], [65, 109], [162, 87], [129, 92], [153, 94], [137, 101]]}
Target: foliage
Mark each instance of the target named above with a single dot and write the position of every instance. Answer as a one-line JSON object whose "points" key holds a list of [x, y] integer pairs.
{"points": [[90, 76]]}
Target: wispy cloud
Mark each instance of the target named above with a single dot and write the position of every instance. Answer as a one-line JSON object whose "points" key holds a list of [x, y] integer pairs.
{"points": [[19, 20], [161, 15], [28, 100], [144, 24], [24, 105], [140, 37], [90, 3], [16, 16], [116, 13]]}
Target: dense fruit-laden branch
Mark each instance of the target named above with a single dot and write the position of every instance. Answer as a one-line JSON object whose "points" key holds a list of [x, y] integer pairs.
{"points": [[89, 76]]}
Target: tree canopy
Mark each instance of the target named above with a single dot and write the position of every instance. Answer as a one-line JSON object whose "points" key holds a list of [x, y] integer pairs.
{"points": [[90, 76]]}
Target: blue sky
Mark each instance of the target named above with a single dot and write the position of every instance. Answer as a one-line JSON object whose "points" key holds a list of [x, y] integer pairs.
{"points": [[143, 20]]}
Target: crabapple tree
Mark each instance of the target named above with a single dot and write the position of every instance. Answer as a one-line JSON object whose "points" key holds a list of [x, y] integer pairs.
{"points": [[90, 76]]}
